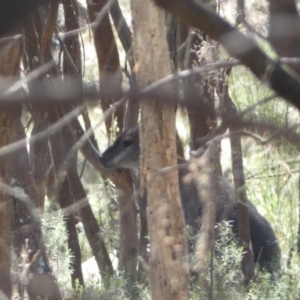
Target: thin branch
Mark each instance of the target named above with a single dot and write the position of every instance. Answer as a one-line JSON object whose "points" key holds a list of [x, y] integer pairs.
{"points": [[187, 74], [105, 10], [260, 102], [45, 133], [71, 93], [258, 138], [80, 143], [29, 78], [237, 45], [226, 121]]}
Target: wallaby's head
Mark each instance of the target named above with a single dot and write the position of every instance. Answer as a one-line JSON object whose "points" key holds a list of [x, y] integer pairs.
{"points": [[125, 151]]}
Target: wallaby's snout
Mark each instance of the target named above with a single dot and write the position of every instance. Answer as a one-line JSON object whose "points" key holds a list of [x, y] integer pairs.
{"points": [[106, 163], [124, 152]]}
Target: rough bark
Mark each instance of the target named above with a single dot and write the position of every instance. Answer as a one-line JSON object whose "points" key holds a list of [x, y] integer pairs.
{"points": [[172, 38], [40, 157], [123, 30], [10, 56], [144, 240], [108, 62], [72, 55], [48, 31], [168, 266]]}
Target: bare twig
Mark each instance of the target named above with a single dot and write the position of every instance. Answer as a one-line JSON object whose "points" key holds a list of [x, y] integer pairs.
{"points": [[93, 25], [45, 133], [238, 45], [187, 74], [29, 78], [79, 144]]}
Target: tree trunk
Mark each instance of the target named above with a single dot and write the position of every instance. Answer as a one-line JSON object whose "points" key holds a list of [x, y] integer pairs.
{"points": [[10, 56], [241, 195], [91, 227], [108, 62], [110, 90], [169, 273], [61, 143], [40, 157], [128, 225]]}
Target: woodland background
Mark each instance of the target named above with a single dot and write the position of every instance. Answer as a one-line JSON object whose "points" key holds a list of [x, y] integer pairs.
{"points": [[75, 74]]}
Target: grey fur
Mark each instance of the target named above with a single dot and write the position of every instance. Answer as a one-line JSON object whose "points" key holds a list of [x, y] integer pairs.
{"points": [[125, 152]]}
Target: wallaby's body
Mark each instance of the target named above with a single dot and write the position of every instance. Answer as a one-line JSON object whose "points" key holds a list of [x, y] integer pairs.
{"points": [[124, 153]]}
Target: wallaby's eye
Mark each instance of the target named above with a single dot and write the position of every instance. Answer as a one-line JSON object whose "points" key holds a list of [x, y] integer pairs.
{"points": [[127, 143]]}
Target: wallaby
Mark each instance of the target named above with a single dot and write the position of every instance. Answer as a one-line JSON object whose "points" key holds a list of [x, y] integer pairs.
{"points": [[125, 152]]}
